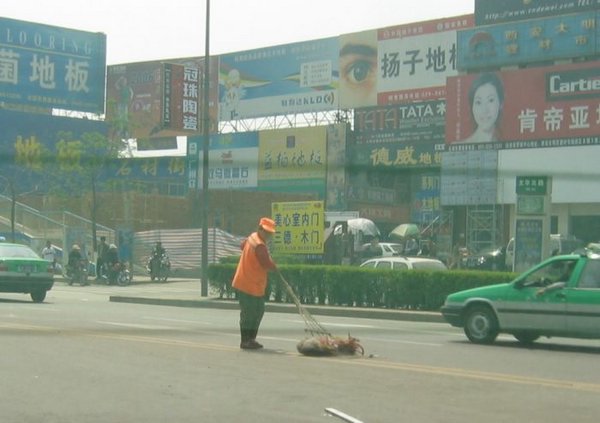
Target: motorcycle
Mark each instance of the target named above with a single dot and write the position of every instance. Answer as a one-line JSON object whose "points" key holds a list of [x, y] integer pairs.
{"points": [[117, 273], [78, 273], [159, 267]]}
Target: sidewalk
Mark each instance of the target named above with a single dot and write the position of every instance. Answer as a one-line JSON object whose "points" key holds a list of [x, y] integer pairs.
{"points": [[192, 298]]}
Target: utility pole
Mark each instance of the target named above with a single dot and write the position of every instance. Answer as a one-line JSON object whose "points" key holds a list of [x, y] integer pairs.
{"points": [[205, 145]]}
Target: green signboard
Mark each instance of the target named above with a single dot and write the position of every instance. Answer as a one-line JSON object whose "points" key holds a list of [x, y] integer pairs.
{"points": [[530, 204], [537, 185]]}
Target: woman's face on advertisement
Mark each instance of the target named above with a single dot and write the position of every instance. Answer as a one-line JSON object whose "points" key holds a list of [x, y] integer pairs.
{"points": [[486, 107]]}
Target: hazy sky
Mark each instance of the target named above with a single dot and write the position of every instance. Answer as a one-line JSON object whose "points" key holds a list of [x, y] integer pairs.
{"points": [[144, 30]]}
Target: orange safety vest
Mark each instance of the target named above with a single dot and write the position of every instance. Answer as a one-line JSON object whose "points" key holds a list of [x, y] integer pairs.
{"points": [[250, 277]]}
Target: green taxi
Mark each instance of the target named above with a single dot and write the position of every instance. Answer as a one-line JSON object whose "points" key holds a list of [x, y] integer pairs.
{"points": [[22, 270], [558, 297]]}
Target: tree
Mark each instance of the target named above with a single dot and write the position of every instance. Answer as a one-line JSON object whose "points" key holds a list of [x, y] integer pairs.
{"points": [[79, 167], [20, 170]]}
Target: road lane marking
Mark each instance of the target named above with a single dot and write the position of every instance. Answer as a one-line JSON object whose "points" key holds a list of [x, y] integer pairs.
{"points": [[357, 361], [399, 341], [136, 325], [165, 319]]}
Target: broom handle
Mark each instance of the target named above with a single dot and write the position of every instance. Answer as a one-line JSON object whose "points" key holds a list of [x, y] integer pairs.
{"points": [[313, 325], [290, 291]]}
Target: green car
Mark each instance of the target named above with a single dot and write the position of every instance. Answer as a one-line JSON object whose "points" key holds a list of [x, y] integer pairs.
{"points": [[558, 297], [22, 270]]}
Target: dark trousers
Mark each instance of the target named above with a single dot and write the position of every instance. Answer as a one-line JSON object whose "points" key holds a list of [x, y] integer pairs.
{"points": [[99, 269], [252, 310]]}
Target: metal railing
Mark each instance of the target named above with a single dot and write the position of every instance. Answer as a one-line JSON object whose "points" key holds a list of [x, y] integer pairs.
{"points": [[37, 227]]}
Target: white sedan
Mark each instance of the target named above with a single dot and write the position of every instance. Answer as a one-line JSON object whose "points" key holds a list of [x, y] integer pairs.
{"points": [[404, 263]]}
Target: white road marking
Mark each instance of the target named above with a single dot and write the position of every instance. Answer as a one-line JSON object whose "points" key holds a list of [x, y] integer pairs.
{"points": [[400, 341], [135, 325], [165, 319]]}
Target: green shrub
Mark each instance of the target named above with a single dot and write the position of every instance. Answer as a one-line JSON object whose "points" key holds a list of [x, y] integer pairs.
{"points": [[362, 287]]}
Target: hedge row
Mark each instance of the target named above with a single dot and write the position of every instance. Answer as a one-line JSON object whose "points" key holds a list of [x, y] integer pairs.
{"points": [[354, 286]]}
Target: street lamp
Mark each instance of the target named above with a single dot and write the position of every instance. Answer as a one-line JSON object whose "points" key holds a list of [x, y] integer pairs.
{"points": [[206, 135]]}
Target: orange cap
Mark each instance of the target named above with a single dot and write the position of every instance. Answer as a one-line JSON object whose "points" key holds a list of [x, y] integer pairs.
{"points": [[267, 224]]}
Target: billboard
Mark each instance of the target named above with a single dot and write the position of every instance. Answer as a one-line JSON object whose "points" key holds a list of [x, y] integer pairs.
{"points": [[300, 227], [293, 160], [290, 78], [181, 91], [233, 161], [213, 89], [415, 59], [399, 136], [528, 41], [551, 106], [398, 64], [52, 67], [469, 178], [153, 99], [31, 143], [149, 169], [336, 167], [425, 202], [494, 11]]}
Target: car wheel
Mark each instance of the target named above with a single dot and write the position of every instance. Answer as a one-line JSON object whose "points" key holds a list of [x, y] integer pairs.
{"points": [[38, 296], [481, 325], [526, 337]]}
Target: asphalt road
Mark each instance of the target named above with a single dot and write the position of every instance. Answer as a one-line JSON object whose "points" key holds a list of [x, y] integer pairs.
{"points": [[81, 358]]}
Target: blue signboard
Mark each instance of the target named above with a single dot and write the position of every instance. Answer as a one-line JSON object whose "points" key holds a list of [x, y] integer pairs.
{"points": [[291, 78], [536, 40], [233, 161], [495, 11], [31, 142], [52, 67]]}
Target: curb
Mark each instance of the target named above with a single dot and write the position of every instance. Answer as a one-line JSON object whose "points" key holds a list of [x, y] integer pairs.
{"points": [[353, 312]]}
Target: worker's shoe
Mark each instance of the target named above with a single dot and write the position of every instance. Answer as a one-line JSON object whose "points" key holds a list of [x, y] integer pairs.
{"points": [[250, 345], [256, 344]]}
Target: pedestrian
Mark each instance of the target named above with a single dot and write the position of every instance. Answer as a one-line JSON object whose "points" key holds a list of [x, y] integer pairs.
{"points": [[49, 254], [250, 281], [459, 251], [112, 264], [102, 250]]}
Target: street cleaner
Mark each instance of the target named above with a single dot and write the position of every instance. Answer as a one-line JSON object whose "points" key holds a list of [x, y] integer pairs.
{"points": [[250, 281]]}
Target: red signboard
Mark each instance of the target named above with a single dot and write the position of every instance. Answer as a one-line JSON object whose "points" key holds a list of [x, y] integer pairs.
{"points": [[539, 107]]}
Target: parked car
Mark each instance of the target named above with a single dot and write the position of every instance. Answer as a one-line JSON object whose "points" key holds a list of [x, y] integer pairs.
{"points": [[558, 297], [389, 249], [487, 259], [404, 263], [22, 270]]}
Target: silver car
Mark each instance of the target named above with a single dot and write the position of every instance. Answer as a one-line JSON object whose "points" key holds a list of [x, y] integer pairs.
{"points": [[404, 263]]}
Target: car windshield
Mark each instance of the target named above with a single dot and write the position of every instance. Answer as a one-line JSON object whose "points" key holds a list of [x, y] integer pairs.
{"points": [[556, 271], [17, 251]]}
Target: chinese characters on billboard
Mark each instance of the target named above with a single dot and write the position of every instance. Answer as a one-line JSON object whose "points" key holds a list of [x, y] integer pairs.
{"points": [[529, 41], [52, 67], [492, 110], [300, 227]]}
